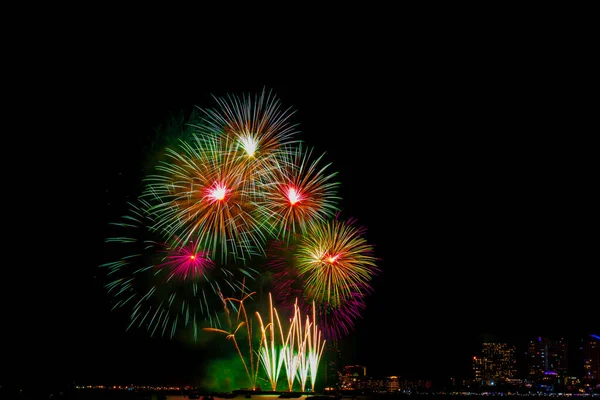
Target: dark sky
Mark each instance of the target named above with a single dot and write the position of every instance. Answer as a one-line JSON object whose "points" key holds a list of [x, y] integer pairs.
{"points": [[470, 174]]}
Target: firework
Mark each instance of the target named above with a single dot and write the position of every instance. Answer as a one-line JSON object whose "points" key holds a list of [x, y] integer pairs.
{"points": [[186, 263], [315, 346], [335, 261], [297, 352], [330, 264], [166, 288], [258, 125], [257, 131], [335, 322], [234, 180], [272, 356], [296, 191], [235, 327], [201, 193]]}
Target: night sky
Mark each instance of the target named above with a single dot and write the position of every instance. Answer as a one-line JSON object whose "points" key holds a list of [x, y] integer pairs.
{"points": [[472, 181]]}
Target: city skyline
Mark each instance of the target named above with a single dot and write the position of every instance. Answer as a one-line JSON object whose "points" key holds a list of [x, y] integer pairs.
{"points": [[480, 218], [574, 351]]}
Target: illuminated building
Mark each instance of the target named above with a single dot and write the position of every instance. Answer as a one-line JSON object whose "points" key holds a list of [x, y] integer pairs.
{"points": [[591, 358], [496, 364], [393, 384], [334, 366], [547, 359], [477, 369], [353, 377]]}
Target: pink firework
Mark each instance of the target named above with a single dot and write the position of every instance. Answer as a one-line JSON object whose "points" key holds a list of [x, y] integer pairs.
{"points": [[186, 263], [168, 287]]}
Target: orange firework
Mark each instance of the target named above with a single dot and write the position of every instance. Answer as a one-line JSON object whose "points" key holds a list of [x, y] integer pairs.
{"points": [[259, 126], [335, 261], [201, 194], [297, 191]]}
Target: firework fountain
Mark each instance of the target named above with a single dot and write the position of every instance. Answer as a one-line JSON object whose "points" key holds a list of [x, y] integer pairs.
{"points": [[294, 348]]}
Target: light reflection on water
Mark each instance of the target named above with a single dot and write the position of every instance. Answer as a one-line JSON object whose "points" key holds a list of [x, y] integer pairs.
{"points": [[240, 397]]}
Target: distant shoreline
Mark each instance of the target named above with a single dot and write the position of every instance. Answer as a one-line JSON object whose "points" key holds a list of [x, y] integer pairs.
{"points": [[270, 395]]}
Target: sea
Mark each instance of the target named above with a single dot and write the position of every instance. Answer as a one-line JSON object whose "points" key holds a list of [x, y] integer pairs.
{"points": [[127, 395]]}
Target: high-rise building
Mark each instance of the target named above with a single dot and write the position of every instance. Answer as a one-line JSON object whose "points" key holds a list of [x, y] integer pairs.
{"points": [[478, 369], [497, 364], [333, 358], [546, 357], [591, 358], [392, 384], [354, 377]]}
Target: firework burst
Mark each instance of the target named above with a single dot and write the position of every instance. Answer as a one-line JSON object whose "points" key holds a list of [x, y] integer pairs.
{"points": [[201, 194], [339, 295], [166, 288], [296, 191], [258, 125], [335, 261], [187, 262]]}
